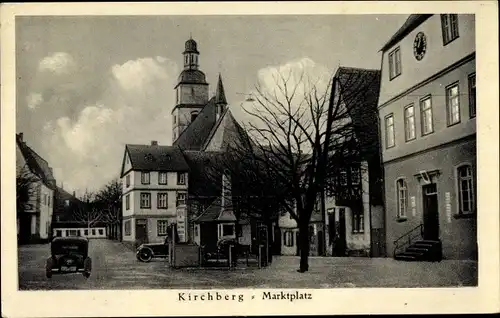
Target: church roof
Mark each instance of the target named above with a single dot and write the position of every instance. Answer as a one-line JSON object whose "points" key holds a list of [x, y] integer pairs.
{"points": [[192, 76], [156, 158], [191, 46], [220, 96], [227, 129], [202, 173], [195, 135]]}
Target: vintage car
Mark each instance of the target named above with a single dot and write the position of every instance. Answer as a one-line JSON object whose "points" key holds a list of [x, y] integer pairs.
{"points": [[146, 252], [69, 255]]}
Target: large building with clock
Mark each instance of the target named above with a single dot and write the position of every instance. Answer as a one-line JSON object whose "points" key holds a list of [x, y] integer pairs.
{"points": [[427, 112]]}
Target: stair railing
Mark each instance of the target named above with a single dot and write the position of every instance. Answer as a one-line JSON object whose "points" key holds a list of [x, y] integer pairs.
{"points": [[406, 239]]}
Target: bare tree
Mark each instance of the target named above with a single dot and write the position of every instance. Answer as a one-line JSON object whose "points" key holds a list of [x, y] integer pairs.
{"points": [[300, 135], [108, 199], [87, 212]]}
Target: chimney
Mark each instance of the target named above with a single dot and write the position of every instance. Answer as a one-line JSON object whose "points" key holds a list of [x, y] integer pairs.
{"points": [[21, 135], [154, 143], [74, 194]]}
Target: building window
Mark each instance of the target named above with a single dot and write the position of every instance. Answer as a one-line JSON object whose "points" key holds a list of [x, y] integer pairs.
{"points": [[389, 131], [85, 232], [175, 119], [73, 233], [58, 233], [227, 229], [394, 63], [453, 104], [93, 232], [162, 199], [402, 197], [195, 230], [44, 201], [181, 199], [66, 203], [145, 177], [426, 114], [162, 178], [181, 178], [127, 202], [145, 200], [409, 122], [355, 176], [288, 238], [466, 189], [472, 95], [449, 24], [128, 228], [162, 227], [48, 201], [101, 231], [357, 221], [127, 181], [343, 177]]}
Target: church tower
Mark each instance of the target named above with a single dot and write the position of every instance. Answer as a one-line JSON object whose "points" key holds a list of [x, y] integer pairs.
{"points": [[191, 91]]}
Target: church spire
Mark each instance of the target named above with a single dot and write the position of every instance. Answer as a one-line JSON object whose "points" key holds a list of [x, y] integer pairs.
{"points": [[220, 96]]}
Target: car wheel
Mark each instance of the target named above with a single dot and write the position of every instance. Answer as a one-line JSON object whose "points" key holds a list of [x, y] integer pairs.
{"points": [[48, 267], [145, 255]]}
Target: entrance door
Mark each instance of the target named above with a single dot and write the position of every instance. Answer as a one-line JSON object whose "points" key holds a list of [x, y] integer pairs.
{"points": [[431, 213], [341, 243], [141, 231], [321, 241]]}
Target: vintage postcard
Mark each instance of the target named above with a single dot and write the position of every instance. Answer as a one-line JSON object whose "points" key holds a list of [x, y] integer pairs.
{"points": [[249, 158]]}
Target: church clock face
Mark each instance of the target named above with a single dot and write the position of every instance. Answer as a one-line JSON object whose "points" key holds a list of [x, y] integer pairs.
{"points": [[419, 46]]}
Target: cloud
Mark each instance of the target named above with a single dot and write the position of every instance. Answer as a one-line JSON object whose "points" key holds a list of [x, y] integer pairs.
{"points": [[58, 63], [302, 73], [135, 108], [34, 100]]}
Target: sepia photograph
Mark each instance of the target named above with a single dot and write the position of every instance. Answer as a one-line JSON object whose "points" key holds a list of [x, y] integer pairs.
{"points": [[209, 154]]}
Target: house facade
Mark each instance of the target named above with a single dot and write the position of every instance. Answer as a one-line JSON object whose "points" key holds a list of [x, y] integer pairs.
{"points": [[427, 113], [155, 182], [35, 222]]}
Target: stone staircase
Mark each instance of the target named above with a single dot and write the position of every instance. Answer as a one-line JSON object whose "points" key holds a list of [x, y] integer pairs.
{"points": [[421, 250]]}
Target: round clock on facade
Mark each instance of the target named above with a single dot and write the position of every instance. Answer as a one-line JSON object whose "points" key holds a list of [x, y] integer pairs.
{"points": [[419, 46]]}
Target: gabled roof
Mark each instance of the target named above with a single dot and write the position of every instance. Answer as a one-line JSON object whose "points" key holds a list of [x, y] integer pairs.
{"points": [[156, 158], [36, 164], [413, 21], [216, 213], [360, 91], [195, 135]]}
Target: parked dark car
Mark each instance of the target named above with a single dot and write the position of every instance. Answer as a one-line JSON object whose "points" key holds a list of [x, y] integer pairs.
{"points": [[146, 252], [69, 255]]}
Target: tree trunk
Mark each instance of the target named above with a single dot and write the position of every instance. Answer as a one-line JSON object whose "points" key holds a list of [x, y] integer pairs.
{"points": [[304, 247]]}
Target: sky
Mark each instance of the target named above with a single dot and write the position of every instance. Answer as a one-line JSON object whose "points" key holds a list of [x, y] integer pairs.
{"points": [[88, 85]]}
